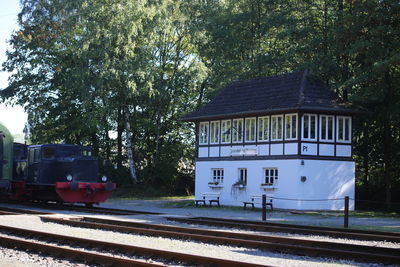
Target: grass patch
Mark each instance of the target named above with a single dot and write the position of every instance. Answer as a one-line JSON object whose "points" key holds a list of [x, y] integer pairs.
{"points": [[359, 214], [377, 228], [190, 198], [140, 192], [374, 214], [179, 204]]}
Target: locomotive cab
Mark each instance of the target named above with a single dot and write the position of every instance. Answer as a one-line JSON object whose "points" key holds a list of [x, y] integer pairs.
{"points": [[66, 173], [48, 164]]}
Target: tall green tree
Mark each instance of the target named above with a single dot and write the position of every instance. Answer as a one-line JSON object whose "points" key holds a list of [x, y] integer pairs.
{"points": [[85, 68]]}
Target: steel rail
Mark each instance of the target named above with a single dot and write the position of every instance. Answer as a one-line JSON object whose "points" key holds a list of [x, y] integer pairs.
{"points": [[95, 210], [372, 232], [78, 255], [109, 210], [18, 211], [282, 244], [128, 249], [291, 228], [8, 213]]}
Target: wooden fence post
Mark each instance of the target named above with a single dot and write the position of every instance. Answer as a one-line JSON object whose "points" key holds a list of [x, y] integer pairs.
{"points": [[264, 207], [346, 212]]}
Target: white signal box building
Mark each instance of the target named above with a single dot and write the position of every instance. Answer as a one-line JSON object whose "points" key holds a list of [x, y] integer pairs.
{"points": [[283, 136]]}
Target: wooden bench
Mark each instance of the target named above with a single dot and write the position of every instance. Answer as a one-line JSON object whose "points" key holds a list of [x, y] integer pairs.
{"points": [[256, 199], [210, 197]]}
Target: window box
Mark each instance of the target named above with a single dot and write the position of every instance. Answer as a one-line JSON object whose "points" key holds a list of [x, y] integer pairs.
{"points": [[239, 185], [268, 186], [215, 185]]}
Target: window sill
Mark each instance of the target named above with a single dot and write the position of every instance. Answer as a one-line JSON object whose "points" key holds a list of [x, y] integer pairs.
{"points": [[215, 186], [268, 187], [240, 186]]}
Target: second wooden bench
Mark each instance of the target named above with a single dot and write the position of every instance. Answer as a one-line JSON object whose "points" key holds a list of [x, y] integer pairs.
{"points": [[256, 199], [211, 197]]}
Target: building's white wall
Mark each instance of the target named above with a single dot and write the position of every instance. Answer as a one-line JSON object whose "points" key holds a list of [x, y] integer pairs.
{"points": [[214, 151], [236, 150], [203, 152], [308, 149], [326, 150], [225, 151], [325, 179], [263, 150], [291, 149], [343, 150], [276, 149]]}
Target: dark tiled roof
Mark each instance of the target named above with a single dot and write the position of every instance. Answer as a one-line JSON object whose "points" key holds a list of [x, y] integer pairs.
{"points": [[292, 91]]}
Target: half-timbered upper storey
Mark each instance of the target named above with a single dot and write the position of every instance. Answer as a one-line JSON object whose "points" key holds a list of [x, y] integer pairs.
{"points": [[287, 115]]}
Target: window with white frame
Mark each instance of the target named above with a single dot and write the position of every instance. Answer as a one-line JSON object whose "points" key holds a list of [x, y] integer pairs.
{"points": [[242, 179], [344, 129], [217, 176], [226, 131], [309, 127], [326, 128], [214, 132], [250, 132], [263, 128], [276, 127], [291, 126], [237, 130], [270, 175], [203, 134]]}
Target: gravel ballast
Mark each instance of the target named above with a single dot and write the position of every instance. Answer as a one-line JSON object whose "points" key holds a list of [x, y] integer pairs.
{"points": [[219, 251]]}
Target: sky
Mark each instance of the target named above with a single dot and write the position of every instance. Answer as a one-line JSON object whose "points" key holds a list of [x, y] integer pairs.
{"points": [[13, 118]]}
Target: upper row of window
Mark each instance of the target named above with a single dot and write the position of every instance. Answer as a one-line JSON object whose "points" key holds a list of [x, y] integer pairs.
{"points": [[276, 127]]}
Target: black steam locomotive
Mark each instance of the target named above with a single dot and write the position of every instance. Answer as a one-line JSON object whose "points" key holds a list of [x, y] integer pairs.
{"points": [[57, 172]]}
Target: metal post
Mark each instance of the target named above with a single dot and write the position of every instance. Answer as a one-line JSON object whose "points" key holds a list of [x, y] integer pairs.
{"points": [[264, 207], [346, 212]]}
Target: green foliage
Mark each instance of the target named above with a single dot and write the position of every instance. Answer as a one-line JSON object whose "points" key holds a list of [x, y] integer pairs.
{"points": [[79, 66], [351, 45]]}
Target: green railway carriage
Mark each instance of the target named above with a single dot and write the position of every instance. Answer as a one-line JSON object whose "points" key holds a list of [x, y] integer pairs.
{"points": [[6, 157]]}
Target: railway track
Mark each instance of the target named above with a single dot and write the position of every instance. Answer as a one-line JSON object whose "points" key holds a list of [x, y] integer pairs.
{"points": [[92, 210], [271, 243], [100, 210], [17, 211], [266, 242], [98, 257], [293, 228], [77, 255]]}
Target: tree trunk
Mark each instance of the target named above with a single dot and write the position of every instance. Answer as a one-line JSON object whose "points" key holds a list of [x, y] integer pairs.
{"points": [[107, 142], [387, 140], [120, 130], [156, 155], [342, 57], [366, 161], [131, 162]]}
